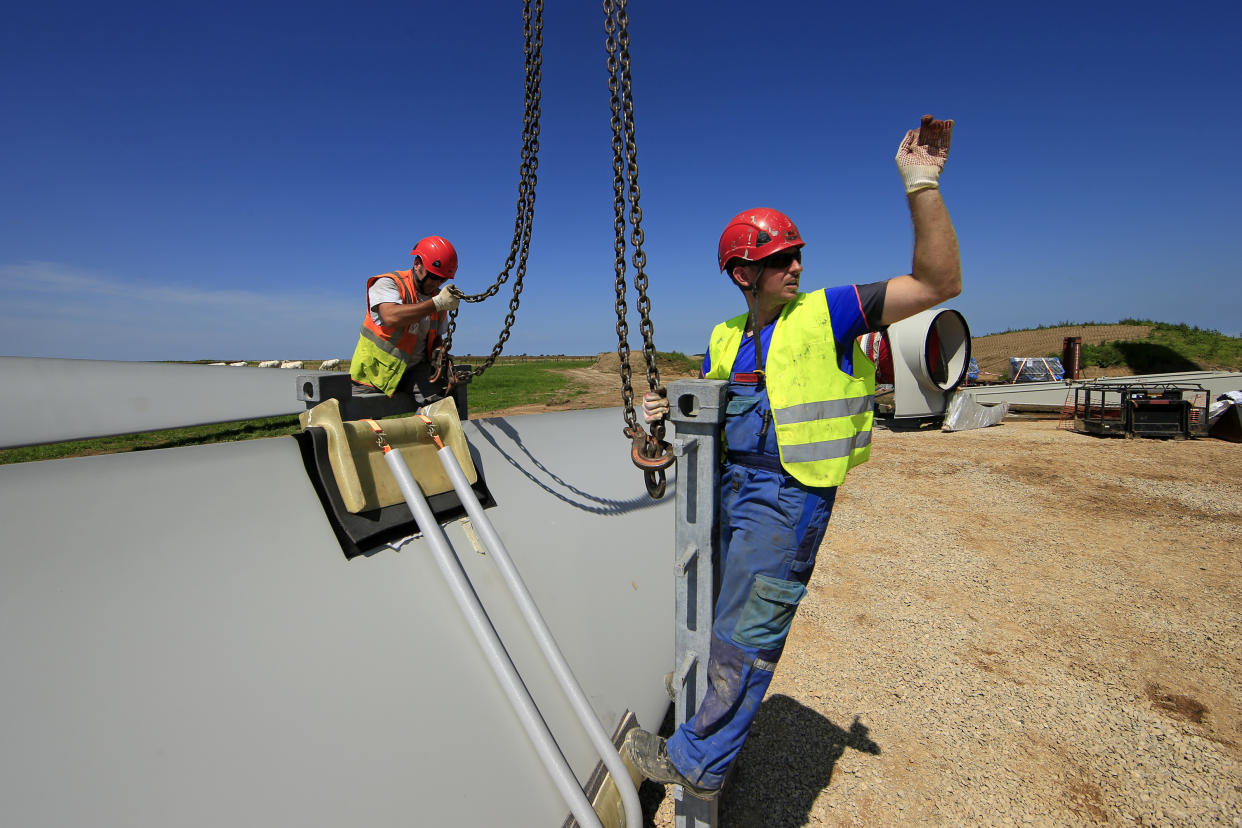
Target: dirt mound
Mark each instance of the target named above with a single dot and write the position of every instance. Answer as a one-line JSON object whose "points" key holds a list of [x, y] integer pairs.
{"points": [[993, 352], [598, 386], [609, 363]]}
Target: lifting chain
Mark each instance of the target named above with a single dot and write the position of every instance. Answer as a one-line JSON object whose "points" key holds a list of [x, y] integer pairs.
{"points": [[649, 452], [523, 225]]}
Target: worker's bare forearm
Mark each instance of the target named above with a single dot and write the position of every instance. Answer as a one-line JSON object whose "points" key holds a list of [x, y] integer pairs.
{"points": [[936, 273], [937, 261], [396, 314]]}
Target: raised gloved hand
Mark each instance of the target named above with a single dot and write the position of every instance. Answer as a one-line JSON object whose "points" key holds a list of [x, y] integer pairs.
{"points": [[923, 153], [655, 405], [446, 299]]}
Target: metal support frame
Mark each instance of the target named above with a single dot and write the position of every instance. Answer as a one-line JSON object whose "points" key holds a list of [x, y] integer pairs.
{"points": [[697, 409], [1141, 409], [1051, 396]]}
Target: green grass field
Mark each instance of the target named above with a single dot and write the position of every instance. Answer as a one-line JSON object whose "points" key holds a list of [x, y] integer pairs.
{"points": [[507, 384], [171, 438]]}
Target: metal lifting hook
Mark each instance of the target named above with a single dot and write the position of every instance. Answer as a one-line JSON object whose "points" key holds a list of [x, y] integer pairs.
{"points": [[443, 373], [653, 455]]}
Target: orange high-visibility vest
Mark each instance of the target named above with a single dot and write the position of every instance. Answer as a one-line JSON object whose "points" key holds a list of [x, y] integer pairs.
{"points": [[385, 351]]}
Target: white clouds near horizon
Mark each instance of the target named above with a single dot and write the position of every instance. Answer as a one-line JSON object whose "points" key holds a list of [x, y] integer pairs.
{"points": [[52, 309]]}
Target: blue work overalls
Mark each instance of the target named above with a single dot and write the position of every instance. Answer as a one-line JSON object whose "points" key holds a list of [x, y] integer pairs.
{"points": [[771, 528]]}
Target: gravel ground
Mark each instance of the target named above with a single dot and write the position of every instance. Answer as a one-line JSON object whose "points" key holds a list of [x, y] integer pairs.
{"points": [[1012, 626]]}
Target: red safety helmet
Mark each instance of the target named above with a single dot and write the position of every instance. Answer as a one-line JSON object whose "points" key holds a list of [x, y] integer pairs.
{"points": [[756, 234], [438, 255]]}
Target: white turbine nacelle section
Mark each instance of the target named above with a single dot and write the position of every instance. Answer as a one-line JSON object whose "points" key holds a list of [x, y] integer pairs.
{"points": [[930, 355]]}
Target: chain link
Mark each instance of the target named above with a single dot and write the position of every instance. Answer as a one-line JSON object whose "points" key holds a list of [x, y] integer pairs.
{"points": [[625, 182], [523, 225], [650, 453]]}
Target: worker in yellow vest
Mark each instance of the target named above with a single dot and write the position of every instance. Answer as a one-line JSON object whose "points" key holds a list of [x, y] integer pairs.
{"points": [[406, 317], [798, 417]]}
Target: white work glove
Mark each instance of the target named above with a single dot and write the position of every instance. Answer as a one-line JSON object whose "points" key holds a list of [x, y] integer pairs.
{"points": [[922, 154], [655, 406], [446, 299]]}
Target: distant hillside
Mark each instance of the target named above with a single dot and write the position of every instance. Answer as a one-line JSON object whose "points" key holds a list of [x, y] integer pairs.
{"points": [[1132, 347]]}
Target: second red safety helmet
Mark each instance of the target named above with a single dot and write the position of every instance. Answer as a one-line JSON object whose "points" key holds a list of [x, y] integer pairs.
{"points": [[438, 255], [756, 234]]}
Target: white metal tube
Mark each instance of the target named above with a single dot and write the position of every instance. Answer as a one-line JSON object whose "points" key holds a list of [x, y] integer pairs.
{"points": [[547, 643], [497, 657]]}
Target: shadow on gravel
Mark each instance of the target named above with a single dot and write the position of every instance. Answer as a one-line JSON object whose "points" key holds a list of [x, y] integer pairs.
{"points": [[785, 764]]}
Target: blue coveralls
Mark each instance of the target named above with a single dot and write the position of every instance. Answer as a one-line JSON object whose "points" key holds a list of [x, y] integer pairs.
{"points": [[771, 529]]}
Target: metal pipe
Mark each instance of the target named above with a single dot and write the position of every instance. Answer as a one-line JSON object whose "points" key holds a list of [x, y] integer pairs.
{"points": [[497, 657], [543, 636]]}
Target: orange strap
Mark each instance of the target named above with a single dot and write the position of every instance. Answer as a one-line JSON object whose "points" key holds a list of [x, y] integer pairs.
{"points": [[380, 437], [431, 429]]}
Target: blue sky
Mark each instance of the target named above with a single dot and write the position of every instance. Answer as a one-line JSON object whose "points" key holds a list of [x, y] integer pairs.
{"points": [[217, 181]]}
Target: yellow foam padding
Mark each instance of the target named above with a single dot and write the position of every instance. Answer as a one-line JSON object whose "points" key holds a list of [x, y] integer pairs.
{"points": [[362, 475]]}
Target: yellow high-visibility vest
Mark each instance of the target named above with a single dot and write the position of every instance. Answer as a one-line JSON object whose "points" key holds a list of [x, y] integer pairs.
{"points": [[823, 415]]}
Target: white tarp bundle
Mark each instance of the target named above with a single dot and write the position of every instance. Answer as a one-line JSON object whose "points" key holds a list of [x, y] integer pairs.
{"points": [[1225, 417], [964, 413], [1222, 404]]}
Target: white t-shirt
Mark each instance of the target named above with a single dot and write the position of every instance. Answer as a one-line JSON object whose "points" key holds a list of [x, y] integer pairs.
{"points": [[384, 290]]}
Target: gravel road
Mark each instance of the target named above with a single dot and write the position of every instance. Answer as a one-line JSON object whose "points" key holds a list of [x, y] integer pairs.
{"points": [[1012, 626]]}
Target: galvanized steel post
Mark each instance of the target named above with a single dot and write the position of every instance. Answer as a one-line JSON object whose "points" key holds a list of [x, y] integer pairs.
{"points": [[696, 408]]}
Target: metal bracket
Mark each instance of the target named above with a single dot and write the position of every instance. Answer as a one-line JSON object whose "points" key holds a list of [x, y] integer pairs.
{"points": [[696, 408], [315, 388]]}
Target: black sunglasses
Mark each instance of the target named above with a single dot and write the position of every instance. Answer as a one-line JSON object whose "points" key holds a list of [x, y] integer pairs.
{"points": [[782, 260]]}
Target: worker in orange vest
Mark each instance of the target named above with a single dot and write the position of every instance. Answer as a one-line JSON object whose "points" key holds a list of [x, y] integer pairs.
{"points": [[406, 317]]}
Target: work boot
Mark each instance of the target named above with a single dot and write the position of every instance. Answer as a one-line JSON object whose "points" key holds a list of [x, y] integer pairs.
{"points": [[646, 751]]}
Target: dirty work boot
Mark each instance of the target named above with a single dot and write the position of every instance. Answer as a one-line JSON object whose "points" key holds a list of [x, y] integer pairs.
{"points": [[646, 752]]}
